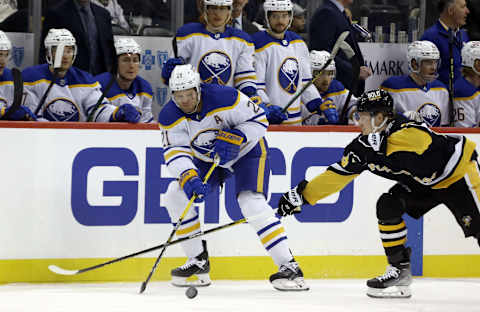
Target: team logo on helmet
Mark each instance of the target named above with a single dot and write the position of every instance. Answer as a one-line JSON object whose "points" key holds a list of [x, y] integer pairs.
{"points": [[62, 109], [215, 67], [431, 114], [17, 54], [288, 75], [203, 142]]}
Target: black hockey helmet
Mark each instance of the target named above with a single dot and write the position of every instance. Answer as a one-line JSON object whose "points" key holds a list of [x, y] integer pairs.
{"points": [[376, 101]]}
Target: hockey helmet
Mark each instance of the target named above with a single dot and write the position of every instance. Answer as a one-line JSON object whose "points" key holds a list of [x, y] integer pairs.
{"points": [[421, 50], [278, 6], [127, 45], [184, 77], [376, 101], [56, 37], [471, 53], [318, 59], [5, 44], [218, 2]]}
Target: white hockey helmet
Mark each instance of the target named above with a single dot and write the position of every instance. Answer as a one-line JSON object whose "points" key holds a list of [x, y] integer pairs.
{"points": [[421, 50], [218, 2], [5, 44], [471, 53], [319, 58], [278, 6], [127, 45], [56, 37], [185, 77]]}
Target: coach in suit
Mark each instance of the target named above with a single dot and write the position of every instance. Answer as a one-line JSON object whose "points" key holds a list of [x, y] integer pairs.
{"points": [[91, 26], [328, 22], [239, 20]]}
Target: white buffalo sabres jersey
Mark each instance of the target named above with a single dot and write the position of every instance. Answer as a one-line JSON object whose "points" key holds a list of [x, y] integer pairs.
{"points": [[139, 94], [6, 88], [71, 98], [431, 101], [193, 135], [338, 94], [466, 103], [282, 67], [222, 58]]}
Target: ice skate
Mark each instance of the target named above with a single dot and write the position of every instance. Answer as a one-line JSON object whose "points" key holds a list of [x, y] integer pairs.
{"points": [[394, 283], [289, 278], [198, 266]]}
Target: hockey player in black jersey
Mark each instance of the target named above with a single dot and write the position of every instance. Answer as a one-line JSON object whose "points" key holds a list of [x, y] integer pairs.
{"points": [[430, 169]]}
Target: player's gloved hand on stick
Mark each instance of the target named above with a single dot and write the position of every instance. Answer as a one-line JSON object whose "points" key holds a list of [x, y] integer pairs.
{"points": [[274, 114], [168, 67], [227, 144], [192, 184], [23, 113], [126, 112], [291, 202], [329, 109]]}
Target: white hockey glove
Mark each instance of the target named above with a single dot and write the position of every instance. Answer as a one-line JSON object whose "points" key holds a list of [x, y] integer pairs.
{"points": [[291, 202]]}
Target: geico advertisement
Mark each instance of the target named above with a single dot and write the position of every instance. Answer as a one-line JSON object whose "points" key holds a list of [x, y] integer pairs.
{"points": [[101, 191]]}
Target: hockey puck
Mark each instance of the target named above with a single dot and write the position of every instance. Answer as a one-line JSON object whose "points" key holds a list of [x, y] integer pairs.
{"points": [[191, 292]]}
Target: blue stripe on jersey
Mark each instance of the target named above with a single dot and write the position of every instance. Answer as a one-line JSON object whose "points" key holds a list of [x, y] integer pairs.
{"points": [[262, 38], [138, 85], [187, 221], [268, 227], [244, 72], [198, 28], [74, 75], [177, 157], [261, 83], [463, 88], [406, 82]]}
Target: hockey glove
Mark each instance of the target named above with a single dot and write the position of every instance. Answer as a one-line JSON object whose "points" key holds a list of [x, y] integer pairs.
{"points": [[227, 144], [168, 67], [126, 112], [291, 202], [274, 114], [329, 109], [23, 113], [193, 185]]}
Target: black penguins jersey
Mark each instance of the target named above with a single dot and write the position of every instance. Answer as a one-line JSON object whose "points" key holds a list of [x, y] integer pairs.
{"points": [[406, 151]]}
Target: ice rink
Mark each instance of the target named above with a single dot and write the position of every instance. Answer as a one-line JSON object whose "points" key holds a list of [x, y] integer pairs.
{"points": [[429, 295]]}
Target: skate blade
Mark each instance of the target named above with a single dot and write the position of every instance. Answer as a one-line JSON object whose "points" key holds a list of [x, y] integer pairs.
{"points": [[390, 292], [203, 280], [284, 284]]}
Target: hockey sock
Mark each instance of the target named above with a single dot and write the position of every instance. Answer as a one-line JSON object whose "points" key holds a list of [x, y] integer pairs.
{"points": [[393, 234]]}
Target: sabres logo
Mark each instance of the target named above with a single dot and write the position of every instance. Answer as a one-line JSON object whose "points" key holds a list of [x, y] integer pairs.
{"points": [[288, 75], [215, 67], [62, 109], [431, 114], [204, 141]]}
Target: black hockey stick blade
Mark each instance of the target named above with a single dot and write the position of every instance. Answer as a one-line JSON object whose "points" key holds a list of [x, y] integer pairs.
{"points": [[17, 92], [334, 52]]}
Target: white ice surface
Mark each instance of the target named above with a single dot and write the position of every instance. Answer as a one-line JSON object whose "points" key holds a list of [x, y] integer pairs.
{"points": [[429, 295]]}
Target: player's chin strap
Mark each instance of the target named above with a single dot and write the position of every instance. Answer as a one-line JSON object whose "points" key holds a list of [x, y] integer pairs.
{"points": [[374, 138]]}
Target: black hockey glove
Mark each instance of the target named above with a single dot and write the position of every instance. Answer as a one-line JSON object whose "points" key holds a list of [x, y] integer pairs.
{"points": [[291, 202]]}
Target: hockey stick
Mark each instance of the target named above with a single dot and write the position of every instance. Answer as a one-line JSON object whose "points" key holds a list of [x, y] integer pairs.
{"points": [[17, 93], [334, 52], [61, 271], [450, 78], [104, 93], [57, 64], [216, 161]]}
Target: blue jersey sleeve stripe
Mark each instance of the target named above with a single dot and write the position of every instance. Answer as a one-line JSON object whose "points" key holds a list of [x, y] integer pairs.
{"points": [[177, 157]]}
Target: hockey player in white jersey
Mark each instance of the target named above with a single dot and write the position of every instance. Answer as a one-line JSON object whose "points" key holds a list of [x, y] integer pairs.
{"points": [[466, 101], [421, 91], [200, 121], [330, 89], [6, 85], [283, 66], [128, 86], [74, 93], [220, 53]]}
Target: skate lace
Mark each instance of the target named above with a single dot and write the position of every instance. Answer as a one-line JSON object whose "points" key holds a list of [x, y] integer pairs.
{"points": [[292, 266], [391, 272], [192, 262]]}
